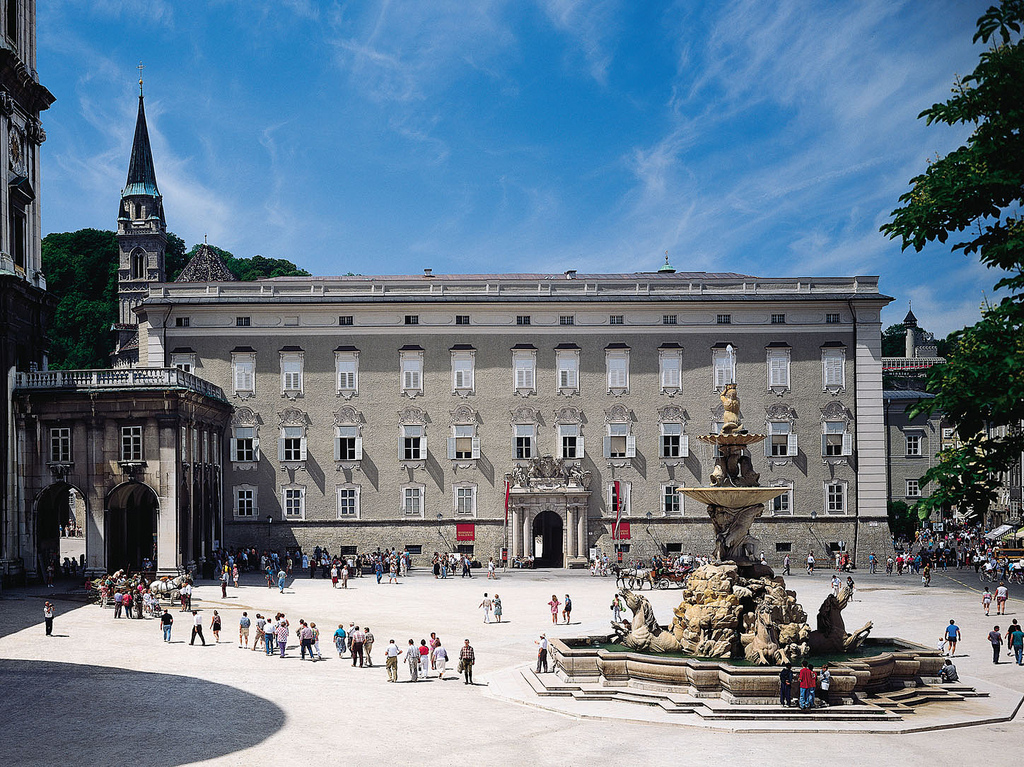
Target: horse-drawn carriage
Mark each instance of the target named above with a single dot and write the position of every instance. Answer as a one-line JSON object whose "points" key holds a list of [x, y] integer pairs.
{"points": [[635, 578]]}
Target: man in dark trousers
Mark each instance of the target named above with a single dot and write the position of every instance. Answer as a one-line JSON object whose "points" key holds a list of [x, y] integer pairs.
{"points": [[48, 618], [197, 628], [786, 685], [466, 659]]}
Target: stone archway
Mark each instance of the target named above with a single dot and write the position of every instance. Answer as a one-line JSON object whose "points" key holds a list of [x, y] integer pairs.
{"points": [[548, 539], [60, 517], [131, 525]]}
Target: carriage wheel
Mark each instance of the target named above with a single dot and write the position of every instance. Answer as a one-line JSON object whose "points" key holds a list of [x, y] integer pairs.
{"points": [[663, 583]]}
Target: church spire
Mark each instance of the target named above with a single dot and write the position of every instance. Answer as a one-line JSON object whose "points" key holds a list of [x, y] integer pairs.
{"points": [[141, 174]]}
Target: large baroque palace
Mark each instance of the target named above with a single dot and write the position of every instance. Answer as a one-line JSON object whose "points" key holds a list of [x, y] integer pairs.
{"points": [[524, 412]]}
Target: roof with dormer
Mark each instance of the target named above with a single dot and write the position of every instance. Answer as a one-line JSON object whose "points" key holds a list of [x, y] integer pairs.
{"points": [[206, 266], [141, 173], [910, 321]]}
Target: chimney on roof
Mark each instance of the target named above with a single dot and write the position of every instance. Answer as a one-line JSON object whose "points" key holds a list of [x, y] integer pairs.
{"points": [[570, 274], [428, 272]]}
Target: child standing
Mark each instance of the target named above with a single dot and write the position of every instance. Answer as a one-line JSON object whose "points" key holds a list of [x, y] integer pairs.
{"points": [[986, 600], [553, 604]]}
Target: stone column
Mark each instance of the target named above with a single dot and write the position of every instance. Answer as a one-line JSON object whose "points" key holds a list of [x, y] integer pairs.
{"points": [[570, 533], [527, 533], [515, 532], [167, 527], [581, 534]]}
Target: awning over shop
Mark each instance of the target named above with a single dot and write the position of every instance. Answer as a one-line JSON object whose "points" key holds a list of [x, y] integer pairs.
{"points": [[465, 532], [624, 532], [998, 533]]}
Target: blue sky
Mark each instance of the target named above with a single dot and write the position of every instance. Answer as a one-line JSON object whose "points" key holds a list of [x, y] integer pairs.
{"points": [[771, 138]]}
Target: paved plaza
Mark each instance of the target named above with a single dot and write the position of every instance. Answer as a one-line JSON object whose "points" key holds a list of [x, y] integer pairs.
{"points": [[105, 692]]}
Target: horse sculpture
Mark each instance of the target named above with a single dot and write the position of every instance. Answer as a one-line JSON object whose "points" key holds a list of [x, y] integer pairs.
{"points": [[831, 636], [168, 588], [643, 632]]}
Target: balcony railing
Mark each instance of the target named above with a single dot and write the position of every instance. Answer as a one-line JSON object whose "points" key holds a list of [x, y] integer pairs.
{"points": [[910, 364], [118, 378]]}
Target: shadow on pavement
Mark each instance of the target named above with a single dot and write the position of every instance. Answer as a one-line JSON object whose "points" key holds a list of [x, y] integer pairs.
{"points": [[125, 717]]}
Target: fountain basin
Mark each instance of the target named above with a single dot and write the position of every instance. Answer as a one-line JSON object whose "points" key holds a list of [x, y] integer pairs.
{"points": [[733, 497], [732, 439]]}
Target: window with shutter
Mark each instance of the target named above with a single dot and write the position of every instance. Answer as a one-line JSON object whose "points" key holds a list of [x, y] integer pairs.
{"points": [[778, 368], [567, 363], [833, 363], [462, 371], [522, 442], [460, 444], [412, 448], [292, 444], [345, 443], [243, 444], [724, 368], [243, 373], [618, 370], [671, 440], [834, 439], [569, 441], [347, 366], [291, 372], [525, 367], [412, 372], [777, 444], [671, 364], [617, 442]]}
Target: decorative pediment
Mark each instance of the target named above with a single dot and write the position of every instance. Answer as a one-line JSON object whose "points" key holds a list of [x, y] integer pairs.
{"points": [[463, 415], [672, 414], [780, 412], [413, 416], [836, 411], [292, 416], [245, 416], [546, 474], [348, 416], [618, 414], [525, 414], [568, 415]]}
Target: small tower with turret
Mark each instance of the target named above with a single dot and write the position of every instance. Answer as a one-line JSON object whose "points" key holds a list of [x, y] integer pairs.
{"points": [[141, 238]]}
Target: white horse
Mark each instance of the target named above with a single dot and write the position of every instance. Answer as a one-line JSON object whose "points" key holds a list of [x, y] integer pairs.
{"points": [[168, 588]]}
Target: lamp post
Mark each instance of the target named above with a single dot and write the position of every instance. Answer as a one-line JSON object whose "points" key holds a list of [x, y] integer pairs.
{"points": [[649, 533]]}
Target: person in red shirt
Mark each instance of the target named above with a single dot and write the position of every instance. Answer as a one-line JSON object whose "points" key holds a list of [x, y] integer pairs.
{"points": [[808, 681]]}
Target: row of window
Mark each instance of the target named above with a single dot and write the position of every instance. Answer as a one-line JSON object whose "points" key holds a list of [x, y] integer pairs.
{"points": [[412, 497], [524, 370], [525, 319], [464, 444], [205, 445]]}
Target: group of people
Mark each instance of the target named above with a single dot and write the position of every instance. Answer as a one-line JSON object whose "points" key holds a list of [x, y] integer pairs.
{"points": [[445, 565], [813, 686], [426, 656]]}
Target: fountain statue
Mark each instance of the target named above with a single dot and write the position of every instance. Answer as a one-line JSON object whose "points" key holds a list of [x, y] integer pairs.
{"points": [[736, 606]]}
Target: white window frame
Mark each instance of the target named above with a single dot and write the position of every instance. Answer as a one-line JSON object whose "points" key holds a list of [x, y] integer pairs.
{"points": [[788, 496], [524, 431], [346, 372], [616, 363], [348, 431], [666, 489], [60, 444], [669, 429], [236, 501], [291, 372], [132, 445], [290, 495], [463, 371], [670, 370], [917, 440], [463, 431], [237, 435], [185, 362], [412, 431], [567, 368], [243, 373], [570, 431], [290, 433], [833, 369], [346, 489], [913, 488], [778, 369], [616, 430], [626, 489], [420, 501], [831, 429], [843, 496], [459, 493], [411, 373], [524, 371], [723, 368], [777, 429]]}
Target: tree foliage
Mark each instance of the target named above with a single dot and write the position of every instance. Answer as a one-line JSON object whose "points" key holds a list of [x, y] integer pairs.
{"points": [[975, 193], [81, 271], [903, 521]]}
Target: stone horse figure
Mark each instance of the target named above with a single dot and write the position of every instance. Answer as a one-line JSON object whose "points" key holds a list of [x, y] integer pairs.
{"points": [[168, 588], [643, 632], [831, 636]]}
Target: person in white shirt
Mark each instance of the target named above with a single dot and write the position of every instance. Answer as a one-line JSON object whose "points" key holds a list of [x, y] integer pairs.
{"points": [[440, 659], [1002, 594], [391, 660], [542, 653], [487, 604]]}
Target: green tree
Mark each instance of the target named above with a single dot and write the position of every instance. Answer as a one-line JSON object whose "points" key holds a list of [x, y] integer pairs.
{"points": [[903, 521], [974, 193], [81, 271], [261, 268], [894, 341], [175, 257]]}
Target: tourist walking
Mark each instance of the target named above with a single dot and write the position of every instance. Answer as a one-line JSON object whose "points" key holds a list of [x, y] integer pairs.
{"points": [[280, 581], [466, 660], [825, 681], [269, 635], [48, 618], [786, 685], [616, 608], [243, 631], [490, 570], [497, 608], [282, 635], [118, 604], [215, 626], [808, 681], [553, 604], [997, 642], [567, 609], [339, 640], [356, 650], [487, 605], [1002, 594], [810, 563], [334, 576], [261, 622], [986, 600], [305, 641], [836, 585], [542, 654], [391, 660], [412, 659], [344, 575], [197, 628], [952, 636], [1015, 641], [785, 569], [368, 646], [439, 658], [186, 597], [424, 652], [234, 574], [224, 584], [166, 621]]}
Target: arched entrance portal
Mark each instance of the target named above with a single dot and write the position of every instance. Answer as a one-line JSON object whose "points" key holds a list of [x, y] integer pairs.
{"points": [[547, 540], [60, 519], [131, 526]]}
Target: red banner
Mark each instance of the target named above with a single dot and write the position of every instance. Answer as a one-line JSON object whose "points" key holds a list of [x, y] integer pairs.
{"points": [[508, 486], [617, 498], [624, 532], [465, 532]]}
